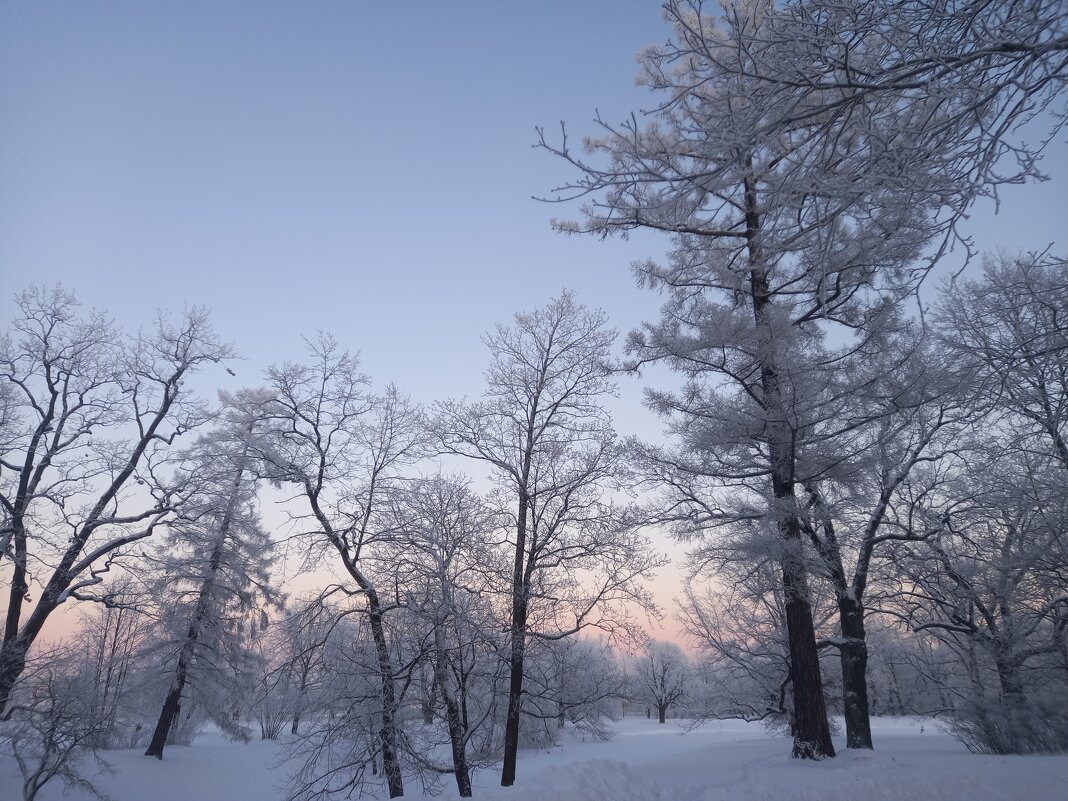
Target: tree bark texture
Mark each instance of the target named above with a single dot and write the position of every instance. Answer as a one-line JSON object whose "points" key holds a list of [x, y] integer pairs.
{"points": [[854, 657], [812, 739], [388, 735]]}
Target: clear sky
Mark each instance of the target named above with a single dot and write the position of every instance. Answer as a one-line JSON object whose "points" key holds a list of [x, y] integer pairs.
{"points": [[360, 167]]}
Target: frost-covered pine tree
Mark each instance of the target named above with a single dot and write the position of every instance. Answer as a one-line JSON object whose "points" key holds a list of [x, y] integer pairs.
{"points": [[214, 579], [805, 176]]}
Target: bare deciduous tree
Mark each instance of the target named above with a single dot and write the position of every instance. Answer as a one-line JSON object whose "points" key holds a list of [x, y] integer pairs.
{"points": [[88, 422], [662, 673], [342, 448], [543, 430]]}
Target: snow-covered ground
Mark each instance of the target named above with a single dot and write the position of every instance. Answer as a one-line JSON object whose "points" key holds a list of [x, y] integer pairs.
{"points": [[643, 762]]}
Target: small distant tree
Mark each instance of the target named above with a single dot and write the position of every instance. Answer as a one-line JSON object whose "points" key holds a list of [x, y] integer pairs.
{"points": [[663, 673], [574, 681], [289, 674]]}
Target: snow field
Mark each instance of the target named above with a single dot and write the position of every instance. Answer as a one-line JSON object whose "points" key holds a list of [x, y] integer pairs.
{"points": [[723, 761]]}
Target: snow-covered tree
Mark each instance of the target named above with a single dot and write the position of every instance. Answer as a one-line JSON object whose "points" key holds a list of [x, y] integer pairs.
{"points": [[447, 569], [1009, 330], [113, 641], [88, 417], [990, 586], [576, 681], [973, 88], [52, 727], [293, 670], [343, 449], [543, 430], [662, 673], [803, 156], [214, 583], [905, 417]]}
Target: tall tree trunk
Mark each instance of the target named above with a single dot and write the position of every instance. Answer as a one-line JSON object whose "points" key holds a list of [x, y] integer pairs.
{"points": [[172, 703], [168, 716], [13, 652], [12, 663], [854, 657], [388, 735], [812, 739], [1011, 684], [518, 645], [515, 693], [853, 651], [661, 711], [19, 587], [453, 718], [896, 701]]}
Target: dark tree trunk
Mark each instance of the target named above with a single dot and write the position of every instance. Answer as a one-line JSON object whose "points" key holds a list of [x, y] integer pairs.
{"points": [[812, 739], [459, 750], [12, 663], [388, 735], [853, 650], [1009, 679], [519, 639], [296, 723], [168, 716], [661, 711], [515, 696], [13, 652], [19, 587], [897, 702], [854, 657], [454, 721], [430, 690]]}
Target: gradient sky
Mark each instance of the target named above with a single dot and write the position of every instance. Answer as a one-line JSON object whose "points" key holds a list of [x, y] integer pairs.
{"points": [[363, 168]]}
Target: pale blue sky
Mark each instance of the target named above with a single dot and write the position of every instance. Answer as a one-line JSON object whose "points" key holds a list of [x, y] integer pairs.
{"points": [[364, 168]]}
